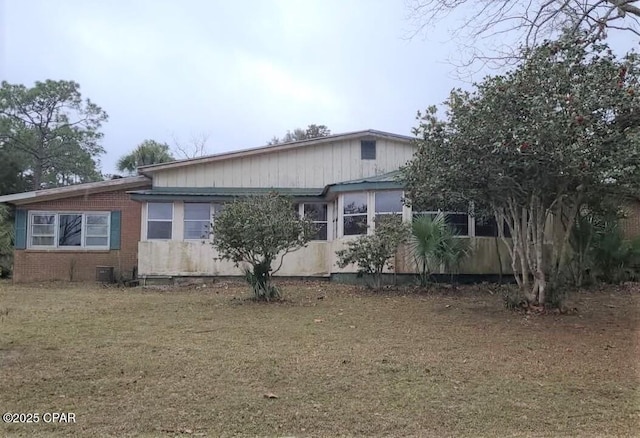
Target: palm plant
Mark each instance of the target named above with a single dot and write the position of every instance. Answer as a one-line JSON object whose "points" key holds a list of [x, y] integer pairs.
{"points": [[147, 152], [433, 243]]}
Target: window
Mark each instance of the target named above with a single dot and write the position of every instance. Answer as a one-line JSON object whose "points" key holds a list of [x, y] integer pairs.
{"points": [[355, 214], [388, 203], [368, 149], [197, 221], [487, 227], [69, 230], [97, 230], [43, 229], [459, 222], [159, 220], [318, 214]]}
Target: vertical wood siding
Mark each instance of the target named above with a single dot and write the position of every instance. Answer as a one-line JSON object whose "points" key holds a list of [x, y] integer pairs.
{"points": [[307, 166]]}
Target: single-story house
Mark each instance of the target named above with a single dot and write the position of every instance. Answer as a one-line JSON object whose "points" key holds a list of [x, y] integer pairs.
{"points": [[157, 222]]}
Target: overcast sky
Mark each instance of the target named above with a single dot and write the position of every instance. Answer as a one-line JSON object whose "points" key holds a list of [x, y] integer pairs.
{"points": [[238, 71]]}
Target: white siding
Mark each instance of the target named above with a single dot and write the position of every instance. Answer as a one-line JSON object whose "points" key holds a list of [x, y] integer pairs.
{"points": [[307, 166]]}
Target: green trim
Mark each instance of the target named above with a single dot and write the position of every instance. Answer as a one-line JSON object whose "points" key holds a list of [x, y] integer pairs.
{"points": [[207, 198], [359, 187], [21, 229], [114, 234]]}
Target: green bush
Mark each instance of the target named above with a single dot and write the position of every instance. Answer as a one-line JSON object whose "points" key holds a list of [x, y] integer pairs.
{"points": [[373, 252], [433, 243]]}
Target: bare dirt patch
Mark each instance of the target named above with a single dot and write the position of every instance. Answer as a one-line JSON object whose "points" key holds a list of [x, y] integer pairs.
{"points": [[329, 361]]}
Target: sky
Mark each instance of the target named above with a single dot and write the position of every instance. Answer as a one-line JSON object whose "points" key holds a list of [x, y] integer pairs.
{"points": [[236, 72]]}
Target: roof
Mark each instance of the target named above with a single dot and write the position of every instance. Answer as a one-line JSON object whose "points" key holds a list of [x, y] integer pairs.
{"points": [[390, 180], [76, 190], [370, 133], [200, 194]]}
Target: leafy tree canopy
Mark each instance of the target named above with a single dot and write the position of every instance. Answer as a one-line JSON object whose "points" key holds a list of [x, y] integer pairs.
{"points": [[535, 143], [298, 134], [52, 131], [146, 153]]}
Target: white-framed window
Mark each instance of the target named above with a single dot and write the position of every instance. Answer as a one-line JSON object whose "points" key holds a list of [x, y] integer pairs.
{"points": [[69, 230], [197, 220], [159, 220], [318, 213], [388, 202], [354, 210]]}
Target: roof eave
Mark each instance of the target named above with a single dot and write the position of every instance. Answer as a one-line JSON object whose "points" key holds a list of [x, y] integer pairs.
{"points": [[75, 190]]}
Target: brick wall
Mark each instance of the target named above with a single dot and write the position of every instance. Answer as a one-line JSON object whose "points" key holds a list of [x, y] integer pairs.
{"points": [[80, 265]]}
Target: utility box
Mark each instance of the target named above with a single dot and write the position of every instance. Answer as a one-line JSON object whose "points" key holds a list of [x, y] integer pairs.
{"points": [[104, 274]]}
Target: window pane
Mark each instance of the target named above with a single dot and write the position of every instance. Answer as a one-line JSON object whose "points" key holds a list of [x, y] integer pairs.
{"points": [[158, 230], [316, 212], [44, 219], [42, 230], [197, 212], [486, 227], [42, 241], [321, 231], [96, 230], [97, 219], [390, 201], [70, 230], [355, 203], [96, 241], [368, 150], [354, 225], [196, 230], [459, 222], [160, 210]]}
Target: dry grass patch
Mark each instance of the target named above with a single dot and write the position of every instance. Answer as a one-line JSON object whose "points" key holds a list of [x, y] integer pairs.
{"points": [[199, 362]]}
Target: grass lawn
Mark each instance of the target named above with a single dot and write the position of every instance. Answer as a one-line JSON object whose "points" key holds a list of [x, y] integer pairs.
{"points": [[199, 361]]}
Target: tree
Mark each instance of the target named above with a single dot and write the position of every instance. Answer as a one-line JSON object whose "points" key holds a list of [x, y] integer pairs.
{"points": [[6, 241], [532, 147], [528, 22], [54, 129], [256, 231], [195, 147], [372, 253], [298, 134], [146, 153]]}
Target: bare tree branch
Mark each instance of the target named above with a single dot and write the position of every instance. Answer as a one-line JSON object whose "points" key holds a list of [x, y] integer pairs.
{"points": [[527, 22]]}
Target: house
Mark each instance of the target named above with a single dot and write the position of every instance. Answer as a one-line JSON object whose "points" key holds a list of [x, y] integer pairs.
{"points": [[65, 233], [346, 180]]}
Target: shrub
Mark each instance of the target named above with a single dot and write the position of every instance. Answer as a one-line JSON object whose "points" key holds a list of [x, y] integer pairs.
{"points": [[373, 253], [257, 230], [433, 243]]}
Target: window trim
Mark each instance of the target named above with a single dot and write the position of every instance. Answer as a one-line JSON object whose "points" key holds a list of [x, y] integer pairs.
{"points": [[171, 221], [56, 230]]}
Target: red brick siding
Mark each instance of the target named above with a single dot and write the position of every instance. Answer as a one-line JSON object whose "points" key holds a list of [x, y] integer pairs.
{"points": [[43, 265]]}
